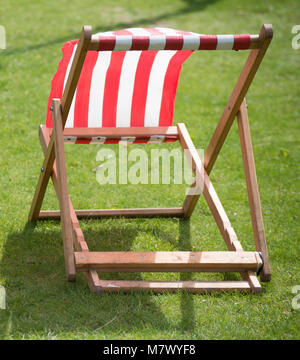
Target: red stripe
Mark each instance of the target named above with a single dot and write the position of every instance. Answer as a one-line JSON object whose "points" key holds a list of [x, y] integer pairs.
{"points": [[112, 88], [208, 42], [174, 43], [241, 42], [112, 140], [140, 43], [145, 139], [106, 43], [139, 95], [141, 140], [83, 141], [171, 139], [57, 83], [122, 32], [170, 87], [81, 110]]}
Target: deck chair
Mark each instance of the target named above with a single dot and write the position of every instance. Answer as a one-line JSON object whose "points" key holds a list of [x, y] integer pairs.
{"points": [[121, 85]]}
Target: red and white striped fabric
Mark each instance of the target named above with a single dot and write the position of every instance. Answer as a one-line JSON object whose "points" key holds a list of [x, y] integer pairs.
{"points": [[120, 86], [169, 39]]}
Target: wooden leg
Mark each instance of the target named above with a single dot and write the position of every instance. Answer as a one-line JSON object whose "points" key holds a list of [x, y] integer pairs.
{"points": [[42, 182], [239, 92], [216, 207], [66, 101], [91, 276], [67, 230], [253, 193], [227, 231]]}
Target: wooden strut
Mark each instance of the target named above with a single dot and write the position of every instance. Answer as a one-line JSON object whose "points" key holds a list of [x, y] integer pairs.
{"points": [[247, 263], [252, 187], [63, 195], [66, 102], [230, 112]]}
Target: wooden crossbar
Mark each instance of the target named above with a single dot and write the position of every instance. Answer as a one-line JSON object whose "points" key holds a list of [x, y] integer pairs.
{"points": [[115, 132], [166, 261], [129, 213], [197, 287]]}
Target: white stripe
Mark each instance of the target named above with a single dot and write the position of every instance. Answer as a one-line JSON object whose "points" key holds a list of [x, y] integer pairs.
{"points": [[127, 139], [97, 89], [225, 42], [156, 138], [70, 118], [190, 42], [157, 42], [123, 42], [70, 139], [98, 140], [106, 33], [126, 87], [155, 87], [167, 31], [196, 34], [69, 66], [187, 33], [138, 31]]}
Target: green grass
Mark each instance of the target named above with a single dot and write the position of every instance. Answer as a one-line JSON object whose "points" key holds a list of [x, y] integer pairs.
{"points": [[40, 303]]}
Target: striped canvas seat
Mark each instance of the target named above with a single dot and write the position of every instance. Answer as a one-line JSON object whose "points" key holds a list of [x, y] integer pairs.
{"points": [[136, 88]]}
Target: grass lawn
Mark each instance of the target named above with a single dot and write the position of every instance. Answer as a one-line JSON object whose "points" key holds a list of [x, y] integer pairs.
{"points": [[40, 303]]}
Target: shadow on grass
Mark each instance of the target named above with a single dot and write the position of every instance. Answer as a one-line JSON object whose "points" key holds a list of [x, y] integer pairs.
{"points": [[190, 6], [42, 303]]}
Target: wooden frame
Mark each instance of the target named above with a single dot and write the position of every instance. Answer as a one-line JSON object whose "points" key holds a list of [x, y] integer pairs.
{"points": [[234, 260]]}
